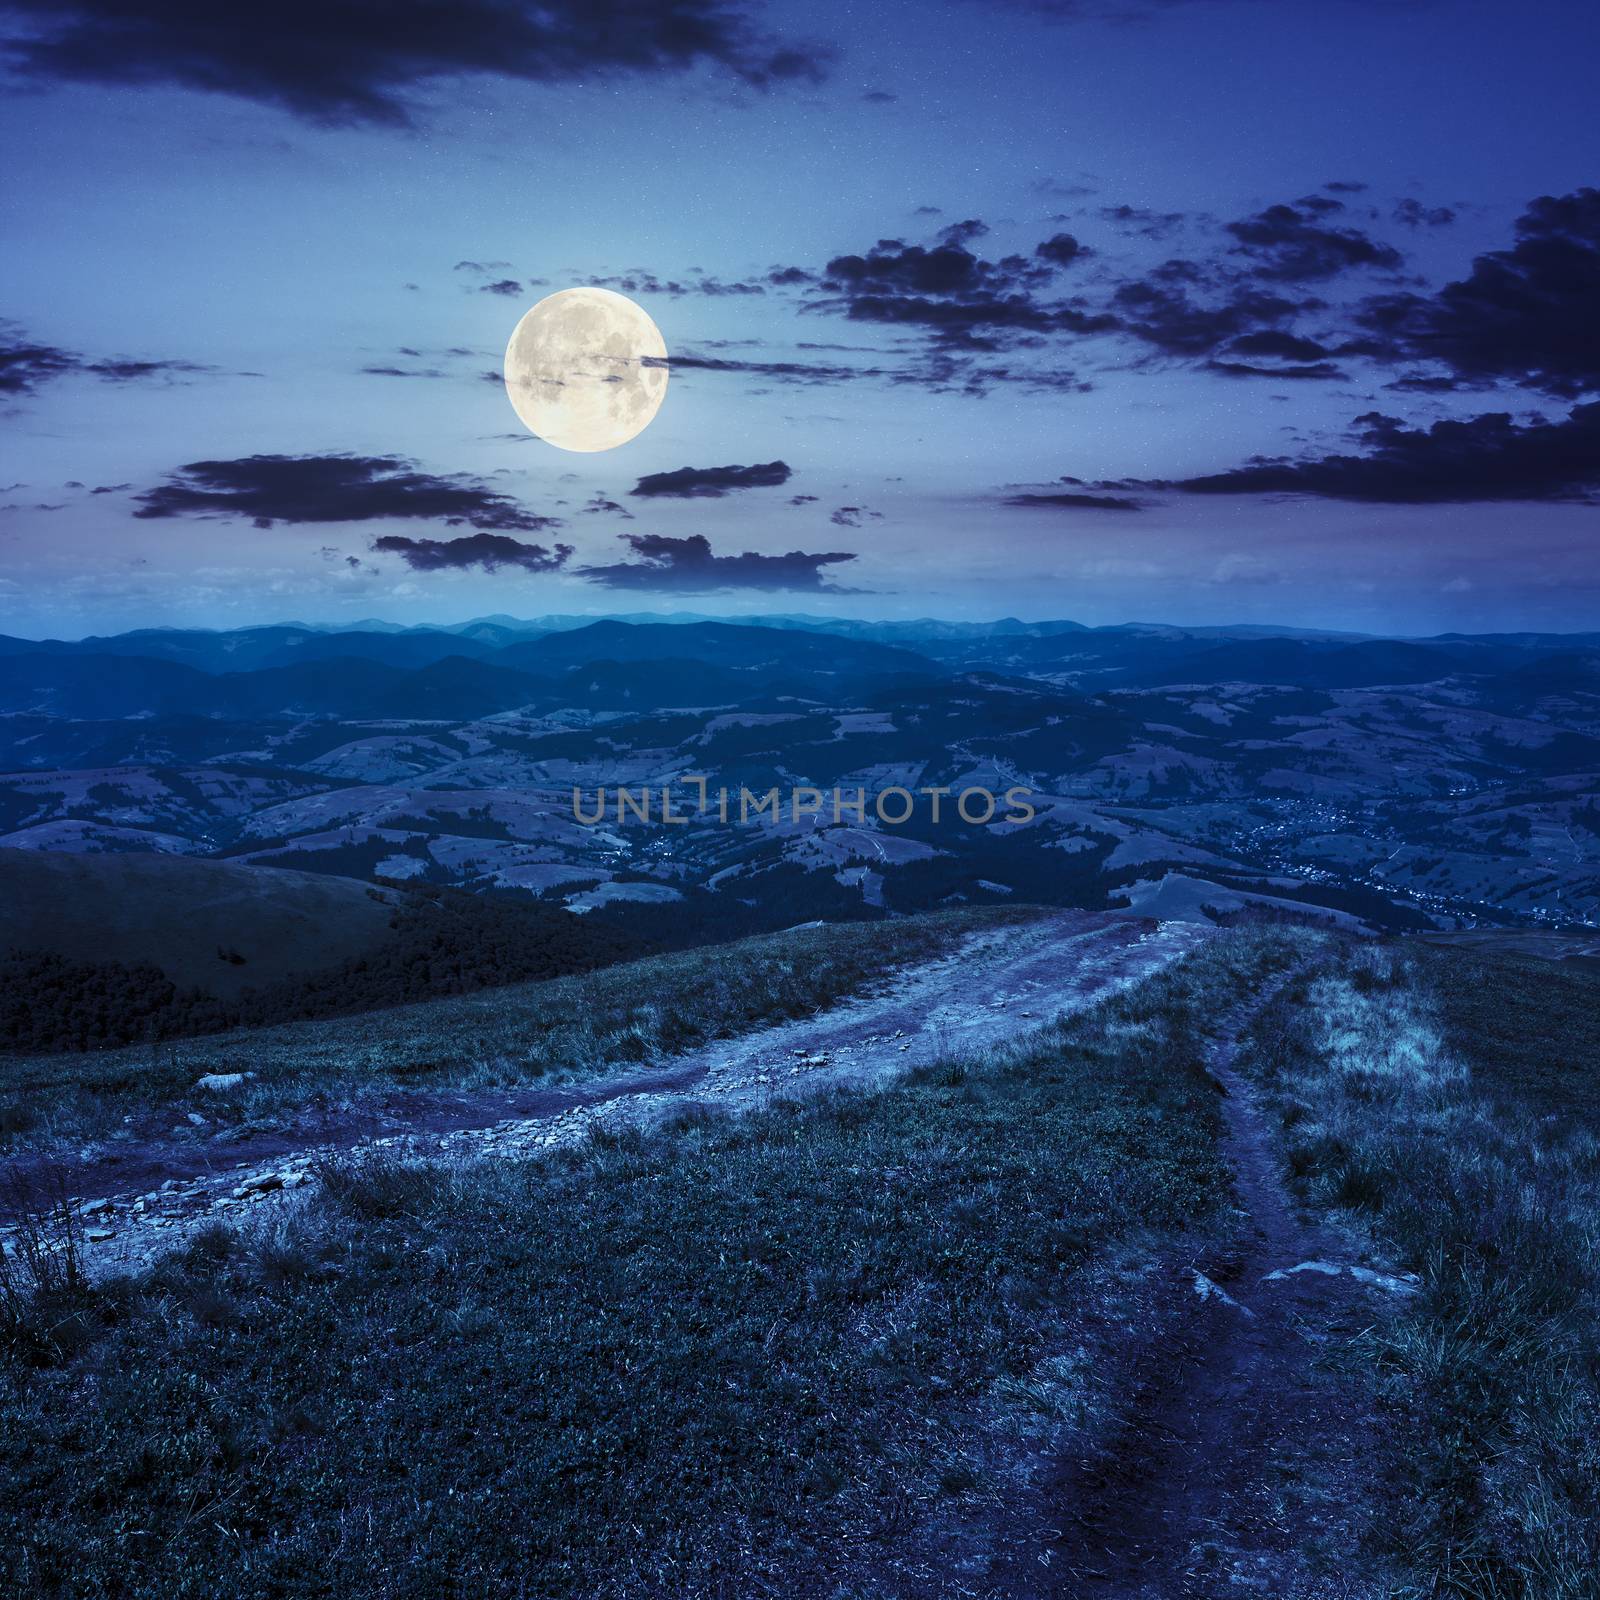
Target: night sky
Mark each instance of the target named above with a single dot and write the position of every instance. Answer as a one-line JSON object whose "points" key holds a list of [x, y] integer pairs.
{"points": [[1189, 310]]}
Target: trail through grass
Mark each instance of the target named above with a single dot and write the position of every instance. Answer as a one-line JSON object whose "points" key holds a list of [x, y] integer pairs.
{"points": [[727, 1359], [1451, 1106]]}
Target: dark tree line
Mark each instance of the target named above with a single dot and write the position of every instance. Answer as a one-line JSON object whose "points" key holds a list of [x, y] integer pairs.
{"points": [[442, 943]]}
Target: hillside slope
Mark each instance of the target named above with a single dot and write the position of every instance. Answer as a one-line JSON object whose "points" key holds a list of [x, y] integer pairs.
{"points": [[176, 913]]}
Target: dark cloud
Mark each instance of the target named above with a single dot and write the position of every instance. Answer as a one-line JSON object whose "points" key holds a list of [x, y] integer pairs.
{"points": [[802, 499], [687, 566], [1060, 248], [706, 483], [1274, 342], [604, 505], [1524, 315], [137, 371], [1161, 311], [1073, 502], [27, 365], [879, 97], [331, 488], [501, 286], [1290, 243], [1142, 220], [1416, 215], [789, 277], [960, 233], [490, 551], [1248, 369], [947, 290], [1491, 457], [367, 61], [637, 280], [402, 372], [852, 516], [795, 372]]}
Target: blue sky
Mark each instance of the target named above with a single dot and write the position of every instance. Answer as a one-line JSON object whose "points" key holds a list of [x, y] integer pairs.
{"points": [[263, 259]]}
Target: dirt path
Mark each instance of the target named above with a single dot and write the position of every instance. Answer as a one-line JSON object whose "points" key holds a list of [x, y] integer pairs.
{"points": [[995, 987], [1238, 1470]]}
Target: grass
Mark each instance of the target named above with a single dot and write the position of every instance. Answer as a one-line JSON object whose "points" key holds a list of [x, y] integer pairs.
{"points": [[549, 1032], [1450, 1108], [784, 1355]]}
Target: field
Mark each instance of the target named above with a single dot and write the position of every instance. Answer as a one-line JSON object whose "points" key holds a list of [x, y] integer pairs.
{"points": [[818, 1342], [1276, 1267], [552, 1032]]}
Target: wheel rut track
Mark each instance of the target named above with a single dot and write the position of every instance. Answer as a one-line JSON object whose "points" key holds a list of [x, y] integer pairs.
{"points": [[1238, 1466], [133, 1204]]}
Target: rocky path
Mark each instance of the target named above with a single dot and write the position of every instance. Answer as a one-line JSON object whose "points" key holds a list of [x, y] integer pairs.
{"points": [[1238, 1470], [997, 986]]}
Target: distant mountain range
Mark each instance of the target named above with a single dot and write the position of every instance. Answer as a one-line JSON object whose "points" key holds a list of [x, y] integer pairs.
{"points": [[1405, 782], [496, 664]]}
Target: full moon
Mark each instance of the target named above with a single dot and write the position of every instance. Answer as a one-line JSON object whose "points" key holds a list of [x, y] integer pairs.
{"points": [[586, 369]]}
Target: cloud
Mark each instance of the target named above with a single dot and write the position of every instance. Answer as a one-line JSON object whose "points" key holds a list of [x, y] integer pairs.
{"points": [[949, 291], [687, 566], [1288, 244], [1060, 248], [851, 516], [1073, 502], [1526, 315], [490, 551], [27, 365], [637, 280], [501, 286], [1142, 220], [1160, 310], [710, 483], [345, 62], [1486, 458], [331, 488], [961, 233], [1275, 343], [1319, 370], [1416, 215], [789, 372], [136, 371], [604, 505]]}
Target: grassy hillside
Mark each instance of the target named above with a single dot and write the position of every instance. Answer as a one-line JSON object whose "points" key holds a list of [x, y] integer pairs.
{"points": [[177, 914], [547, 1032], [819, 1352], [1449, 1105], [111, 950]]}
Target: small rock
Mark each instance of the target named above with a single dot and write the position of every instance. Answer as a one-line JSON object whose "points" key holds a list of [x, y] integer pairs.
{"points": [[222, 1080], [98, 1234]]}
